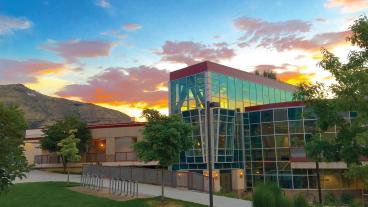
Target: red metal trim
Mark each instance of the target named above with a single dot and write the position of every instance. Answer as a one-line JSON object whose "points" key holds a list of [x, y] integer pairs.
{"points": [[275, 105], [33, 138], [210, 66], [100, 126], [299, 159]]}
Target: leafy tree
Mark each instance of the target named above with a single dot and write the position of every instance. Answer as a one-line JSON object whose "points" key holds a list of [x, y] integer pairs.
{"points": [[13, 163], [68, 149], [164, 137], [348, 94], [267, 74], [58, 131]]}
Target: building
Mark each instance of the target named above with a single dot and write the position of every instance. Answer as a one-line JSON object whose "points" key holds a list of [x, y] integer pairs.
{"points": [[275, 136], [257, 128], [193, 86], [111, 144]]}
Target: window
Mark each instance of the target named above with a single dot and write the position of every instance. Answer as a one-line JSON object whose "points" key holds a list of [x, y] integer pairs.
{"points": [[254, 117], [281, 127], [269, 155], [283, 154], [268, 141], [295, 113], [267, 116], [297, 140], [282, 141], [280, 114], [267, 128], [296, 126]]}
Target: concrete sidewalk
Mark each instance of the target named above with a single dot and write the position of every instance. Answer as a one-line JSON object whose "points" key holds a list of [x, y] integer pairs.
{"points": [[153, 190]]}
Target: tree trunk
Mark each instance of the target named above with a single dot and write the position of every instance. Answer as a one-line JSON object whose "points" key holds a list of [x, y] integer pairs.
{"points": [[318, 184], [68, 175], [162, 184]]}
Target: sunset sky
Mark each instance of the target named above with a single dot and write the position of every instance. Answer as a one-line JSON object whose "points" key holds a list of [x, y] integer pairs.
{"points": [[118, 53]]}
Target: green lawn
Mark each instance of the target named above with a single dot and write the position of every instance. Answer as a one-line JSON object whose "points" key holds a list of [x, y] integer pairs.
{"points": [[52, 194]]}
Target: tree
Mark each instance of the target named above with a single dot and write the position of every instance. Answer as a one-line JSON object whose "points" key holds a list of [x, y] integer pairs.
{"points": [[58, 131], [13, 163], [267, 74], [164, 137], [68, 149], [348, 94]]}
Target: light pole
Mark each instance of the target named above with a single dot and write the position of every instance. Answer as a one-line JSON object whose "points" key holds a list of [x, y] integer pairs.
{"points": [[209, 105]]}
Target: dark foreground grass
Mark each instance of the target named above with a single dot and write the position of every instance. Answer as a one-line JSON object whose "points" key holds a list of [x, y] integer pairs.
{"points": [[56, 194]]}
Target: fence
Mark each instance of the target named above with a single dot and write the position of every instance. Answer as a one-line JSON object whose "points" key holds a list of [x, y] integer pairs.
{"points": [[47, 159], [190, 180]]}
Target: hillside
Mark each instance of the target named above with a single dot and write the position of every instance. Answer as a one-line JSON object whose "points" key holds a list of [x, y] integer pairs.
{"points": [[41, 110]]}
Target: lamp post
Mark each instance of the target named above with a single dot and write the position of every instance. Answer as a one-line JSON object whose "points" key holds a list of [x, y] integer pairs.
{"points": [[209, 105]]}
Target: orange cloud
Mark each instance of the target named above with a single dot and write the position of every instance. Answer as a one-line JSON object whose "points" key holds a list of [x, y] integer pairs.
{"points": [[138, 87], [295, 78], [348, 6], [72, 50], [15, 71]]}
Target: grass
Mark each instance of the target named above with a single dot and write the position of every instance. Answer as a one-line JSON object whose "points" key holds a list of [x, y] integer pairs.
{"points": [[55, 194], [231, 194]]}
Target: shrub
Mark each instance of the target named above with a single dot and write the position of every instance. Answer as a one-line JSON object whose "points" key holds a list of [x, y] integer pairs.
{"points": [[330, 199], [269, 195], [263, 197], [300, 201], [346, 198]]}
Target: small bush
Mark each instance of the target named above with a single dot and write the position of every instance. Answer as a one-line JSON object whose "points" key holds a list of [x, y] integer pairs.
{"points": [[269, 195], [300, 201], [330, 199], [346, 198], [263, 198]]}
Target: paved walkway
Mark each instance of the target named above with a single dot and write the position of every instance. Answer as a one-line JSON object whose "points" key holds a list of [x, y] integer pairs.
{"points": [[186, 195]]}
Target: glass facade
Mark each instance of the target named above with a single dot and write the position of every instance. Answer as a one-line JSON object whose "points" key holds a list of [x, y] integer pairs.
{"points": [[276, 137], [265, 141], [188, 96]]}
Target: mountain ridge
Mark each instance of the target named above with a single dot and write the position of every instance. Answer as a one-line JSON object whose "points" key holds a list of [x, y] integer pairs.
{"points": [[41, 110]]}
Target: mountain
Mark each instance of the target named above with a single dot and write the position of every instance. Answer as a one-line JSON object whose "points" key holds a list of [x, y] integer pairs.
{"points": [[41, 110]]}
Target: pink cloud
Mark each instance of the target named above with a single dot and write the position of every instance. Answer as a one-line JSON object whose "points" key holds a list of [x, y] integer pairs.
{"points": [[348, 6], [132, 27], [15, 71], [257, 29], [72, 50], [189, 52], [326, 40], [122, 86]]}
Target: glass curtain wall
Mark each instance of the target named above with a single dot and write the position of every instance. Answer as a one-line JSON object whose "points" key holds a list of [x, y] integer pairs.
{"points": [[188, 96]]}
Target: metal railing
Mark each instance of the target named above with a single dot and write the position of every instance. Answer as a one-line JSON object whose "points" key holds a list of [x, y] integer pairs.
{"points": [[190, 180], [47, 159], [95, 157], [125, 156]]}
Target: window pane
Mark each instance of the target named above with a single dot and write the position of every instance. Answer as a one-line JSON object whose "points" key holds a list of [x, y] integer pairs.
{"points": [[280, 114], [295, 113], [282, 141], [269, 155], [283, 154], [254, 117], [267, 128], [295, 127], [267, 116], [281, 127], [268, 142], [297, 140]]}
